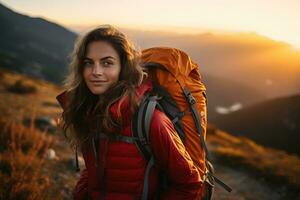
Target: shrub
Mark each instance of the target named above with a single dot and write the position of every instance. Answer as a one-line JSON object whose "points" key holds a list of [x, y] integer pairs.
{"points": [[21, 160], [20, 87]]}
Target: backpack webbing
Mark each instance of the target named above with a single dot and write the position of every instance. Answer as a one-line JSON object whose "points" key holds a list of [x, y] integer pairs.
{"points": [[141, 127]]}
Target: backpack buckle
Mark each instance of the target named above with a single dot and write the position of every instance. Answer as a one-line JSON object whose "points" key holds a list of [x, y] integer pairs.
{"points": [[191, 99], [189, 96], [143, 141]]}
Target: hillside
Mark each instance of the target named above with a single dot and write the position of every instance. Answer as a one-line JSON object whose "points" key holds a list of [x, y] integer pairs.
{"points": [[24, 97], [222, 92], [237, 68], [247, 167], [40, 100], [34, 46], [274, 123], [240, 162]]}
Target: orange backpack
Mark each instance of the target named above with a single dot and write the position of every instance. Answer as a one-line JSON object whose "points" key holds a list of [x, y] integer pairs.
{"points": [[180, 93]]}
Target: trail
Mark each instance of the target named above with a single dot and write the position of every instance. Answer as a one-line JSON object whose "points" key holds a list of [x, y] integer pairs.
{"points": [[245, 186]]}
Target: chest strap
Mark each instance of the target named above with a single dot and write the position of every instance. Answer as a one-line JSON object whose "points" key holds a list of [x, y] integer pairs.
{"points": [[118, 137]]}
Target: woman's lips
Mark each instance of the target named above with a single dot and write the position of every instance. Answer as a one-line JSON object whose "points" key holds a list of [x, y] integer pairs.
{"points": [[98, 82]]}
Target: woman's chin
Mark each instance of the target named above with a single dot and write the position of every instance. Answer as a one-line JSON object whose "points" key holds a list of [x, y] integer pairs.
{"points": [[98, 91]]}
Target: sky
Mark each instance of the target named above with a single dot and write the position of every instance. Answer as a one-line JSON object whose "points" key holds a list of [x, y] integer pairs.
{"points": [[276, 19]]}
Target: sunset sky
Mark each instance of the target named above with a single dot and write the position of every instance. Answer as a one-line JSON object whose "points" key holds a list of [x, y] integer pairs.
{"points": [[277, 19]]}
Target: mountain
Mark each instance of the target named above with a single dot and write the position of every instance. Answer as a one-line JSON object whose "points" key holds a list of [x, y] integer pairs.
{"points": [[274, 123], [238, 69], [225, 93], [34, 46], [270, 67]]}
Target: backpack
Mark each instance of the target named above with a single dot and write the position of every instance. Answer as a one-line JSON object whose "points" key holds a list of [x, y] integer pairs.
{"points": [[171, 70]]}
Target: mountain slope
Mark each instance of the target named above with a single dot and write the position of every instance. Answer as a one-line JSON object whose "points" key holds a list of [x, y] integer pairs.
{"points": [[237, 68], [274, 123], [33, 45], [40, 101], [222, 92], [247, 167]]}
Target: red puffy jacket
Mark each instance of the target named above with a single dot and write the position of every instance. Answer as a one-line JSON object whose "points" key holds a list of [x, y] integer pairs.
{"points": [[120, 172]]}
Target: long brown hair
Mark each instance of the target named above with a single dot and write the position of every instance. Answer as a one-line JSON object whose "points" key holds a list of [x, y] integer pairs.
{"points": [[83, 107]]}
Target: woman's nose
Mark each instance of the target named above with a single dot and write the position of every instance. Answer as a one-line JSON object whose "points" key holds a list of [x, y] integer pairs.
{"points": [[97, 69]]}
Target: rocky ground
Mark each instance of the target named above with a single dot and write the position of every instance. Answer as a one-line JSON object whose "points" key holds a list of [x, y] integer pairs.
{"points": [[246, 187]]}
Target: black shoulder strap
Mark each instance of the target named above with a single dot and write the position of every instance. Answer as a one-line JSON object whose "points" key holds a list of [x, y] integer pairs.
{"points": [[138, 126], [140, 129], [196, 118]]}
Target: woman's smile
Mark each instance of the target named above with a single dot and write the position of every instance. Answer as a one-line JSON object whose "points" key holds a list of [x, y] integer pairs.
{"points": [[98, 81], [102, 67]]}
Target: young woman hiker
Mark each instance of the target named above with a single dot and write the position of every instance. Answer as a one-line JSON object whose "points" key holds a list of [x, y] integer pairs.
{"points": [[104, 88]]}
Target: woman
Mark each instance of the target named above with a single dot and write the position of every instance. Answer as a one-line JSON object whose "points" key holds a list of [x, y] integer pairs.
{"points": [[104, 88]]}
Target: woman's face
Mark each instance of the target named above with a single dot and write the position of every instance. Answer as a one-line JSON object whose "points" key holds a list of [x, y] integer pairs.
{"points": [[102, 67]]}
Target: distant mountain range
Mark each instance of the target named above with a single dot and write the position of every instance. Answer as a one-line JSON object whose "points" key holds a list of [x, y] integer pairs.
{"points": [[34, 46], [265, 65], [274, 123], [238, 69], [224, 93]]}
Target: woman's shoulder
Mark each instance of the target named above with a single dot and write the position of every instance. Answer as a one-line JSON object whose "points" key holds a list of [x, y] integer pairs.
{"points": [[160, 122], [159, 116]]}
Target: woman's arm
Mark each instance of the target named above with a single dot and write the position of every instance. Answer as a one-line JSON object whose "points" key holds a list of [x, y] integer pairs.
{"points": [[172, 157]]}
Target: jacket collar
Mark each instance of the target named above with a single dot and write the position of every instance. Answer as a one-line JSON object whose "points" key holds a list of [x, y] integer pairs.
{"points": [[121, 108]]}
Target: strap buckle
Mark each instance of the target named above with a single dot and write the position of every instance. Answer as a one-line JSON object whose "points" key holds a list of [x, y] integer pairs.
{"points": [[189, 96]]}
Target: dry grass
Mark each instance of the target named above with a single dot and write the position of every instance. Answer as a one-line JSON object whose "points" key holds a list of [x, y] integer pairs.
{"points": [[22, 157], [21, 146], [276, 166], [43, 100]]}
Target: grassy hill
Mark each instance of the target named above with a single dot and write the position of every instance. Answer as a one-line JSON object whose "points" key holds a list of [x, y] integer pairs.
{"points": [[58, 177], [40, 99], [26, 171], [274, 167]]}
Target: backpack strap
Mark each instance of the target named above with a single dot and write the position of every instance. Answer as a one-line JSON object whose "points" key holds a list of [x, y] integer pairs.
{"points": [[196, 118], [149, 113], [141, 124], [146, 178], [138, 129], [118, 137], [141, 129]]}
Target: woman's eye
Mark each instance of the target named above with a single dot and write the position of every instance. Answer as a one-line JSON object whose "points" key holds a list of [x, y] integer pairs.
{"points": [[107, 63], [87, 63]]}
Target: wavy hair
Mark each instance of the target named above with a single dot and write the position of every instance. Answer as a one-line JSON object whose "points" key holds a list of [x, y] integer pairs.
{"points": [[86, 113]]}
